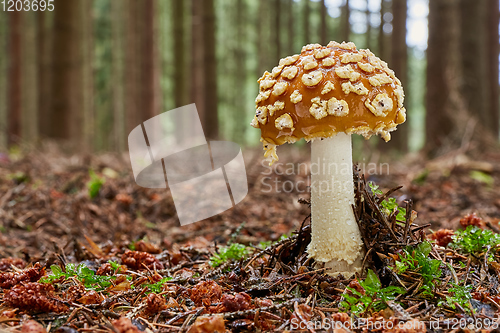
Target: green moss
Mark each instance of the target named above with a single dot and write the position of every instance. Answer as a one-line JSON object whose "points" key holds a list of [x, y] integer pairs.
{"points": [[158, 286], [474, 240], [234, 251], [94, 185], [82, 273], [375, 298], [416, 259], [389, 205], [459, 295]]}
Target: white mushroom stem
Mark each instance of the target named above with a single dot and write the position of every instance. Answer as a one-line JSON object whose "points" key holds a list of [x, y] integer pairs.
{"points": [[336, 240]]}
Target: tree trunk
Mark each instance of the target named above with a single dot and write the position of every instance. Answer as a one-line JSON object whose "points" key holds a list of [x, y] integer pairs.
{"points": [[44, 63], [211, 119], [4, 34], [399, 59], [493, 53], [158, 102], [147, 99], [204, 83], [14, 82], [446, 114], [323, 24], [180, 57], [381, 39], [368, 26], [197, 59], [239, 74], [65, 116], [399, 49], [87, 49], [260, 42], [307, 22], [473, 50], [290, 29], [276, 29], [383, 45], [132, 65], [118, 75], [141, 89], [29, 80], [345, 30]]}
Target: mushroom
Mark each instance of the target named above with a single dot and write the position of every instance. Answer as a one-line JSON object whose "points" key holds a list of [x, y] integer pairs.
{"points": [[325, 94]]}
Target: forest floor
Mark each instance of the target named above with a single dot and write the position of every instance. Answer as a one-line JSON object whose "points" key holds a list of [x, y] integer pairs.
{"points": [[120, 261]]}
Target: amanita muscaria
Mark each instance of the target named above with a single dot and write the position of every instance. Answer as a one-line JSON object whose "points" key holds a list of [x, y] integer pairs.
{"points": [[325, 94]]}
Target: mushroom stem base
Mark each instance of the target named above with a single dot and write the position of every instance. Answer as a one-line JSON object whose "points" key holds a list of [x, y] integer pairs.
{"points": [[335, 240]]}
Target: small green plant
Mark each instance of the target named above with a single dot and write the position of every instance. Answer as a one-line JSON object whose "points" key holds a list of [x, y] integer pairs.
{"points": [[115, 266], [417, 259], [57, 323], [283, 237], [234, 251], [95, 183], [388, 204], [82, 273], [265, 244], [475, 240], [421, 177], [19, 177], [131, 245], [375, 189], [482, 177], [236, 233], [460, 295], [374, 297], [158, 286]]}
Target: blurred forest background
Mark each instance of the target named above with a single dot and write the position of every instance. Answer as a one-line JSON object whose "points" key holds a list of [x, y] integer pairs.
{"points": [[90, 71]]}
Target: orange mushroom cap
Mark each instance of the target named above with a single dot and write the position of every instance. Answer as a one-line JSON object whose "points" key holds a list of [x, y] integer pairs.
{"points": [[326, 90]]}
